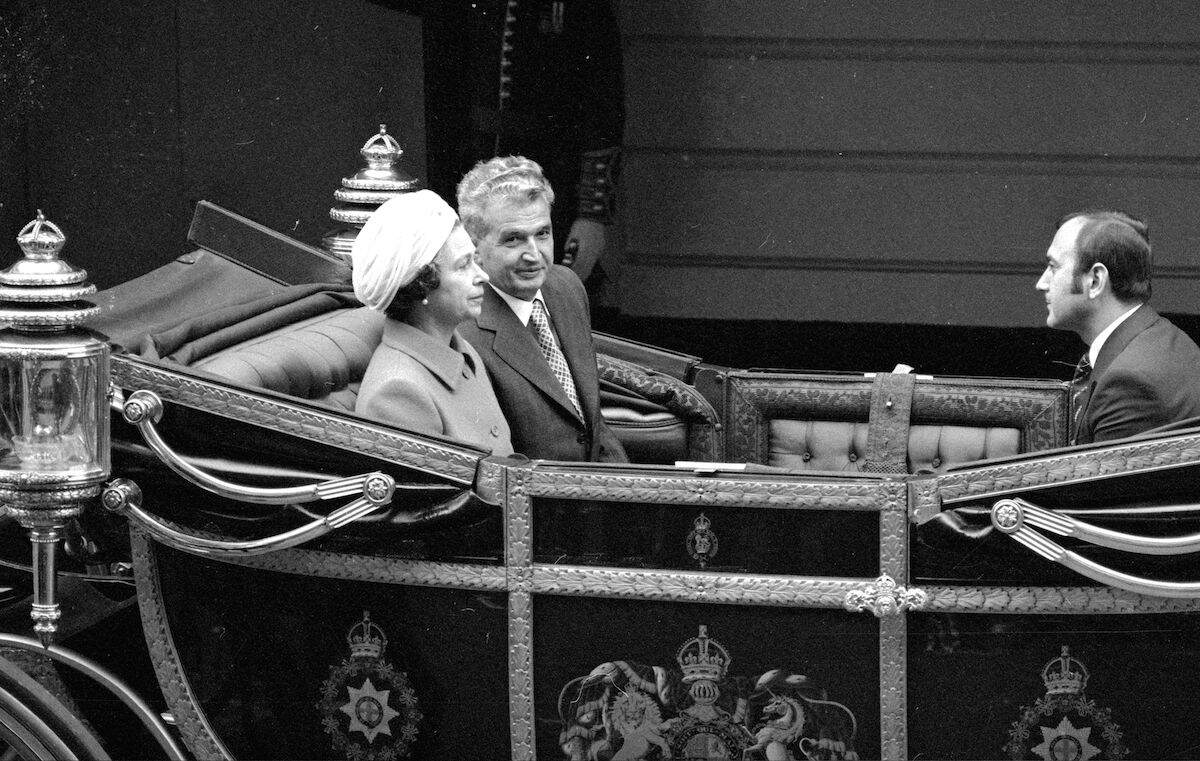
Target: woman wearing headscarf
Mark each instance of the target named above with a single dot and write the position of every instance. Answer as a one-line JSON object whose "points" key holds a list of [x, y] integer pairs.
{"points": [[414, 262]]}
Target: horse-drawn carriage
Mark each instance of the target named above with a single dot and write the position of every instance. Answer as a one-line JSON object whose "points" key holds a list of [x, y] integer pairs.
{"points": [[795, 564]]}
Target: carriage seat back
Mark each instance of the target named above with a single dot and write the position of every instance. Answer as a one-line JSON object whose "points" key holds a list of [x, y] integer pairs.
{"points": [[321, 359]]}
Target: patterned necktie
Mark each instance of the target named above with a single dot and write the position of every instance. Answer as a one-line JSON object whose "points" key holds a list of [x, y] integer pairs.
{"points": [[553, 354], [1080, 386]]}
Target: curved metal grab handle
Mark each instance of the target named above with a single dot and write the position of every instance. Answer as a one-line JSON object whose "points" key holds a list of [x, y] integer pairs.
{"points": [[158, 730], [144, 409], [124, 497], [1064, 525], [1008, 515]]}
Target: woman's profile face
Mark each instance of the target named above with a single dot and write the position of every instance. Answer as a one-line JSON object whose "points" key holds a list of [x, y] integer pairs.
{"points": [[460, 295]]}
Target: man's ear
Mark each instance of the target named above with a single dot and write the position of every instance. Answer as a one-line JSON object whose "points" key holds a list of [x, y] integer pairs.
{"points": [[1098, 280]]}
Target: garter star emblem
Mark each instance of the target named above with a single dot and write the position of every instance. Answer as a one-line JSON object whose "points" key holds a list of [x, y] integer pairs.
{"points": [[1064, 725], [368, 708], [701, 540]]}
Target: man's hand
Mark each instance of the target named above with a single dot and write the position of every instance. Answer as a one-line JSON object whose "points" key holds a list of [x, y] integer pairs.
{"points": [[592, 237]]}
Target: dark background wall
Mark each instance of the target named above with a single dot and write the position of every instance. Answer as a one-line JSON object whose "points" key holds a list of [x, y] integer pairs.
{"points": [[143, 108], [867, 160], [807, 184]]}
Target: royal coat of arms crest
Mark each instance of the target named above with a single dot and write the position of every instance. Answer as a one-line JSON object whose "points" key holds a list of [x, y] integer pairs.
{"points": [[625, 711], [368, 708]]}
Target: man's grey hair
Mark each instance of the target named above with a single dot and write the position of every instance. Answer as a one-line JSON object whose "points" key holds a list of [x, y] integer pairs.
{"points": [[499, 178]]}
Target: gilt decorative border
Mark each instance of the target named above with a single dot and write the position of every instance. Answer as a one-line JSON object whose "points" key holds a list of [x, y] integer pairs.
{"points": [[695, 586], [929, 495], [1049, 600], [673, 487], [382, 570], [445, 460], [893, 630], [193, 727], [518, 529]]}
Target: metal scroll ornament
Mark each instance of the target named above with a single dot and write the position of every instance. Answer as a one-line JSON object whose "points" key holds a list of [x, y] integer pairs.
{"points": [[626, 711], [885, 598], [702, 541], [368, 708], [1064, 723]]}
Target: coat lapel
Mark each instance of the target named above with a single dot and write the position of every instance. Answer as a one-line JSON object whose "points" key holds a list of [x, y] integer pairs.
{"points": [[515, 345]]}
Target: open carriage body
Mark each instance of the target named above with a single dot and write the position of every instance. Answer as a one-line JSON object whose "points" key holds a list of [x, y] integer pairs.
{"points": [[796, 564]]}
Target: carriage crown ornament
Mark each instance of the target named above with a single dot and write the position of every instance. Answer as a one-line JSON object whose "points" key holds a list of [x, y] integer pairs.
{"points": [[380, 180], [54, 419]]}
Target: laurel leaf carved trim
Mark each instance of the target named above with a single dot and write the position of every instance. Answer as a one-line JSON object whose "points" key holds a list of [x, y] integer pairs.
{"points": [[1005, 478], [379, 569], [674, 488], [445, 460], [193, 727], [1083, 600], [694, 586]]}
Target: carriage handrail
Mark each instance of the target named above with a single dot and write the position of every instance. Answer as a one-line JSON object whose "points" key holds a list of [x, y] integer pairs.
{"points": [[1066, 525], [124, 497], [1009, 516], [144, 409]]}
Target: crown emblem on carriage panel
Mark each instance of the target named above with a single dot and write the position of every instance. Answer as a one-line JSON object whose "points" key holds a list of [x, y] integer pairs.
{"points": [[366, 639], [703, 658], [1064, 675], [368, 707], [1065, 723]]}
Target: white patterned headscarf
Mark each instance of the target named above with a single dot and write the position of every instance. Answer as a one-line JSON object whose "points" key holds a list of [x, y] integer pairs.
{"points": [[399, 238]]}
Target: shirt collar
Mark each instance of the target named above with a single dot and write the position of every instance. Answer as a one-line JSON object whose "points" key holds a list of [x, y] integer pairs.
{"points": [[1098, 343], [521, 308], [449, 362]]}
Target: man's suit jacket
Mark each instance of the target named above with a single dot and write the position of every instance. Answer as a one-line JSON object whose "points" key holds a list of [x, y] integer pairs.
{"points": [[543, 421], [1146, 375]]}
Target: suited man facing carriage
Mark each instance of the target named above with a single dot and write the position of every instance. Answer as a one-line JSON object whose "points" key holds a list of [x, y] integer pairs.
{"points": [[1140, 371], [533, 331]]}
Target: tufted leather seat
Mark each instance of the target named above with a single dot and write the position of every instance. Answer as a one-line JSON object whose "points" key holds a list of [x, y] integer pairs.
{"points": [[840, 446], [885, 422]]}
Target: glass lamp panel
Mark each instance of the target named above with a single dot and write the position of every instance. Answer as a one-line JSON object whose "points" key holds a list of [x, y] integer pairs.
{"points": [[53, 414]]}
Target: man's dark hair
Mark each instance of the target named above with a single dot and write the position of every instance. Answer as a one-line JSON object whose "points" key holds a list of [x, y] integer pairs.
{"points": [[1119, 241], [425, 283]]}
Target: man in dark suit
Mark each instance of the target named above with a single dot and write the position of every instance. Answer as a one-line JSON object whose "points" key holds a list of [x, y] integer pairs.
{"points": [[1140, 371], [534, 332]]}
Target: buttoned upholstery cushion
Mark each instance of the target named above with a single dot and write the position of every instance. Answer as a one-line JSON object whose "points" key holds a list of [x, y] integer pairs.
{"points": [[840, 445], [321, 359]]}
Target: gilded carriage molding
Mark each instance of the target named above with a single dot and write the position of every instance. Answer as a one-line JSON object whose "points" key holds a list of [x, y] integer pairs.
{"points": [[893, 687], [674, 488], [518, 530], [1050, 600], [977, 484], [382, 570], [695, 586], [893, 630], [193, 727], [447, 461]]}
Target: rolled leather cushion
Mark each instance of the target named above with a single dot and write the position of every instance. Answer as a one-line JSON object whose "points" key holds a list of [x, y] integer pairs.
{"points": [[321, 359]]}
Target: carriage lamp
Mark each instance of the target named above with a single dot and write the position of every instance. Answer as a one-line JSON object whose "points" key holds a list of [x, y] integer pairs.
{"points": [[54, 417]]}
